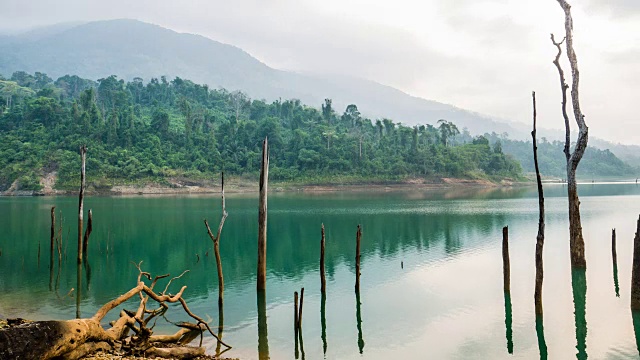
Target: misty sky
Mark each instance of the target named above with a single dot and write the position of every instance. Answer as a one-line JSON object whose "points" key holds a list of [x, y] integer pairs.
{"points": [[481, 55]]}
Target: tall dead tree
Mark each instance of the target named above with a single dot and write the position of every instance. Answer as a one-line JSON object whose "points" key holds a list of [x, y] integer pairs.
{"points": [[262, 218], [87, 234], [576, 240], [216, 245], [540, 238]]}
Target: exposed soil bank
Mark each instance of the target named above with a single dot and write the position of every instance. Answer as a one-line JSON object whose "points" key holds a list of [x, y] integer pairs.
{"points": [[238, 185]]}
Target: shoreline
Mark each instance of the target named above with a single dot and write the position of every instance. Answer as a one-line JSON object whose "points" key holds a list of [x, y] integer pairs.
{"points": [[240, 186]]}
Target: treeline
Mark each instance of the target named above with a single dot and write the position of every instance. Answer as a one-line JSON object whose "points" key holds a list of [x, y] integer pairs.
{"points": [[138, 131], [595, 163]]}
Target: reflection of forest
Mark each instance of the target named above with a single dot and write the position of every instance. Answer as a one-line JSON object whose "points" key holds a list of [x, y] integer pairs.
{"points": [[167, 234]]}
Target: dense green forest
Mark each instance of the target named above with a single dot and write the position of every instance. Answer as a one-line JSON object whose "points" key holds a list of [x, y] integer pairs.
{"points": [[138, 132]]}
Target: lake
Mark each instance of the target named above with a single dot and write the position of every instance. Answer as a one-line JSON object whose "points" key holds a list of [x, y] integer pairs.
{"points": [[431, 284]]}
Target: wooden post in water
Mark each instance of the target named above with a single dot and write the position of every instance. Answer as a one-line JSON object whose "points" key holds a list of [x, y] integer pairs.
{"points": [[635, 275], [262, 218], [323, 282], [216, 245], [358, 236], [540, 238], [506, 268]]}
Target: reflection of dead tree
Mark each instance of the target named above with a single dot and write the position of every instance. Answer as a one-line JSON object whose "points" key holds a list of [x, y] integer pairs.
{"points": [[73, 339]]}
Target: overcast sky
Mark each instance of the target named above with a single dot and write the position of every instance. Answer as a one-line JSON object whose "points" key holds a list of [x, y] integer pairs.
{"points": [[481, 55]]}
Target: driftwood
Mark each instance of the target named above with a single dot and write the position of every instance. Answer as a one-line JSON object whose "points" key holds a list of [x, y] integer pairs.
{"points": [[576, 241], [540, 238], [262, 218], [72, 339], [216, 246]]}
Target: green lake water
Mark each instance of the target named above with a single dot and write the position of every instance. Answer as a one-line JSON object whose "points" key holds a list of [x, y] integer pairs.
{"points": [[431, 284]]}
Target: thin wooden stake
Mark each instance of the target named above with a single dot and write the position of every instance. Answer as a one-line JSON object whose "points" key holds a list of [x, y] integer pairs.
{"points": [[635, 275], [216, 245], [53, 234], [262, 218], [540, 238], [323, 282], [505, 259], [358, 236]]}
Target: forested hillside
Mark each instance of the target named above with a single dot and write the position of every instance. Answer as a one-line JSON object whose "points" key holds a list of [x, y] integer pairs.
{"points": [[138, 132]]}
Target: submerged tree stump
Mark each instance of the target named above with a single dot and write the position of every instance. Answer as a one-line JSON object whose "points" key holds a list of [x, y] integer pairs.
{"points": [[506, 267]]}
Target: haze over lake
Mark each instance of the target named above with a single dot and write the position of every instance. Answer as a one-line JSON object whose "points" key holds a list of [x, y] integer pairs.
{"points": [[445, 301]]}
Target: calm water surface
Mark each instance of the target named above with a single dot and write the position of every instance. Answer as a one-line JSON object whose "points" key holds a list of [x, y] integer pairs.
{"points": [[445, 302]]}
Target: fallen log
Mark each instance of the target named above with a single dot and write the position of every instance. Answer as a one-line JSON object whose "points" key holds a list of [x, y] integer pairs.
{"points": [[73, 339]]}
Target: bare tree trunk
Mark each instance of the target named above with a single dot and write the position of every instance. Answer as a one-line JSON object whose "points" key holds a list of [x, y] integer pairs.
{"points": [[506, 267], [358, 236], [635, 275], [262, 218], [576, 240], [295, 314], [540, 238], [323, 282], [216, 245]]}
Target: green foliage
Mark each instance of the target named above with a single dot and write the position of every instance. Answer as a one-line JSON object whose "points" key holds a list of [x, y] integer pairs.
{"points": [[136, 131]]}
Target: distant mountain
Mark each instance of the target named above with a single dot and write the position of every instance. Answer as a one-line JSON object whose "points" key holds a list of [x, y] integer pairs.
{"points": [[130, 48]]}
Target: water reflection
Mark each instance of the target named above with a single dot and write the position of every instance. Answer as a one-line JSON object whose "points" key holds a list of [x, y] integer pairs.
{"points": [[323, 322], [579, 285], [508, 321], [359, 322], [542, 343], [635, 314], [615, 279], [263, 342]]}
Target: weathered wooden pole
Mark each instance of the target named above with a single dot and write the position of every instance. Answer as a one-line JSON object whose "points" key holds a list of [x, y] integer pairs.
{"points": [[540, 238], [263, 340], [635, 275], [300, 310], [262, 218], [216, 245], [358, 236], [83, 156], [323, 282], [506, 268]]}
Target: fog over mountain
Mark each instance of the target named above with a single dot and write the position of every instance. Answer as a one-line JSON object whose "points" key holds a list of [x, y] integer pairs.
{"points": [[130, 48]]}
